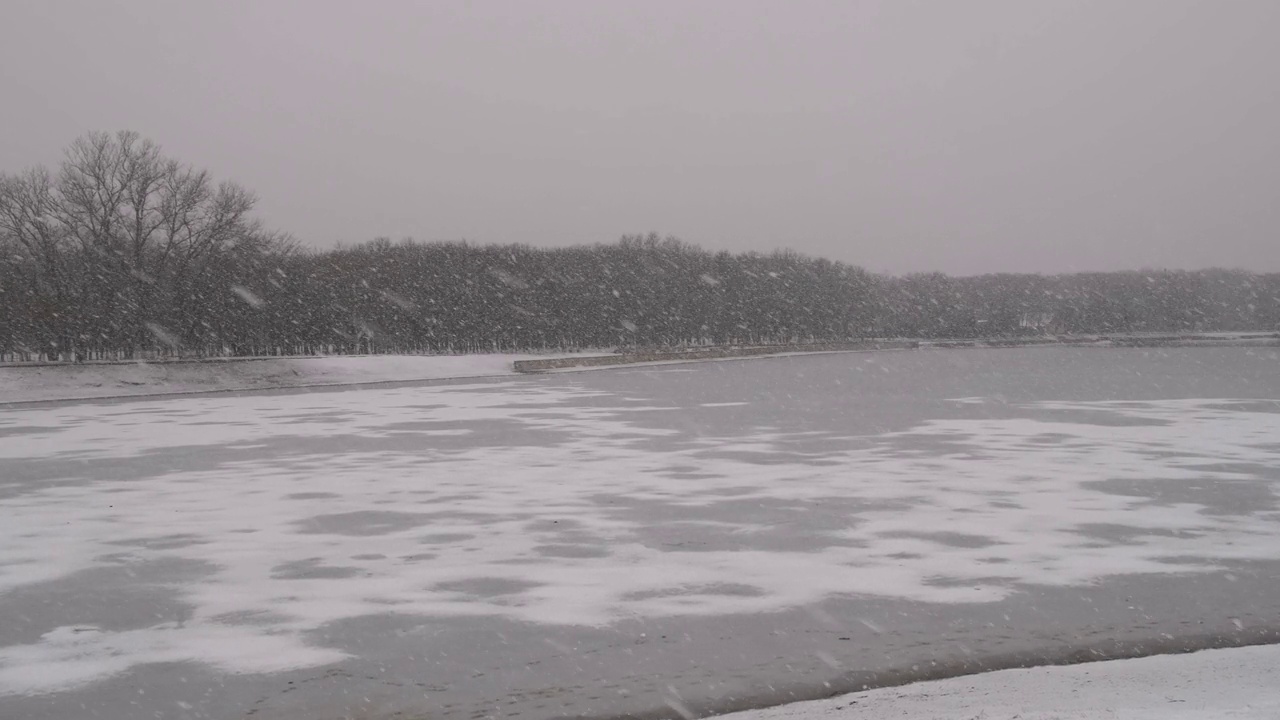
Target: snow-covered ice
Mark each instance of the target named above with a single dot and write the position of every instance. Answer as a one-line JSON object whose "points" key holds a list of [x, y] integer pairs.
{"points": [[551, 502]]}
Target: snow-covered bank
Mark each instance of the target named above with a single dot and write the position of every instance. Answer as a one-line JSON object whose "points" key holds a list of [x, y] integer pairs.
{"points": [[50, 382], [1236, 683], [66, 382]]}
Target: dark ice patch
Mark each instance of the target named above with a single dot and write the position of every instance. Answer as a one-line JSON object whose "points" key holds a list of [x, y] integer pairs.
{"points": [[362, 523], [571, 551], [484, 587], [162, 542], [950, 539], [250, 618], [443, 538], [114, 598], [945, 581], [1050, 439], [311, 569], [1119, 534], [722, 589], [1255, 406], [17, 430]]}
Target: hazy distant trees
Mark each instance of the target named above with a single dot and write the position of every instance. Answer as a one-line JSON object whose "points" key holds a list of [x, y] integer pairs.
{"points": [[124, 252]]}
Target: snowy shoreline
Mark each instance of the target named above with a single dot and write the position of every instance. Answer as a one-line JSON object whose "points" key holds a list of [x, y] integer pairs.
{"points": [[1232, 682], [24, 384]]}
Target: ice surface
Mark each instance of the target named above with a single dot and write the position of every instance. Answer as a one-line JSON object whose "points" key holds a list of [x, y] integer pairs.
{"points": [[551, 502]]}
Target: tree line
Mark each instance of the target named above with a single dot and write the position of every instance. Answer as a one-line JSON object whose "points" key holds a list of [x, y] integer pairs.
{"points": [[122, 252]]}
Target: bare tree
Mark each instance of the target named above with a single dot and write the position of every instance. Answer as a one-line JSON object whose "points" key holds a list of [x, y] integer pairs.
{"points": [[148, 220], [121, 229], [32, 236]]}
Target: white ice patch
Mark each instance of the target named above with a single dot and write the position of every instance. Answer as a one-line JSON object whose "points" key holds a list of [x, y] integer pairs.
{"points": [[310, 509], [71, 656]]}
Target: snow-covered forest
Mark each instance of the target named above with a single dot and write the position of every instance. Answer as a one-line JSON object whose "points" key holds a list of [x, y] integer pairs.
{"points": [[123, 252]]}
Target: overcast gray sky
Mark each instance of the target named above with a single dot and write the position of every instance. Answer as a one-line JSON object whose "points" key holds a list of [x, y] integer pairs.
{"points": [[974, 136]]}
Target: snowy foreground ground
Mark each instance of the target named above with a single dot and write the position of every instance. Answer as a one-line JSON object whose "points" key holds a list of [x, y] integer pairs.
{"points": [[595, 544], [60, 382], [1239, 684]]}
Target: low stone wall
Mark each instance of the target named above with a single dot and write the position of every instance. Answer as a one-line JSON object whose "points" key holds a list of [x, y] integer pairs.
{"points": [[711, 353]]}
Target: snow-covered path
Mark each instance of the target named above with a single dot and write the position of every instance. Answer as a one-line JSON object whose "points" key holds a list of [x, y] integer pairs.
{"points": [[250, 536]]}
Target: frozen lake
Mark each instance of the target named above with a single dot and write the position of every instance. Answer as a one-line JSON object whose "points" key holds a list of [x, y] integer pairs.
{"points": [[636, 540]]}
